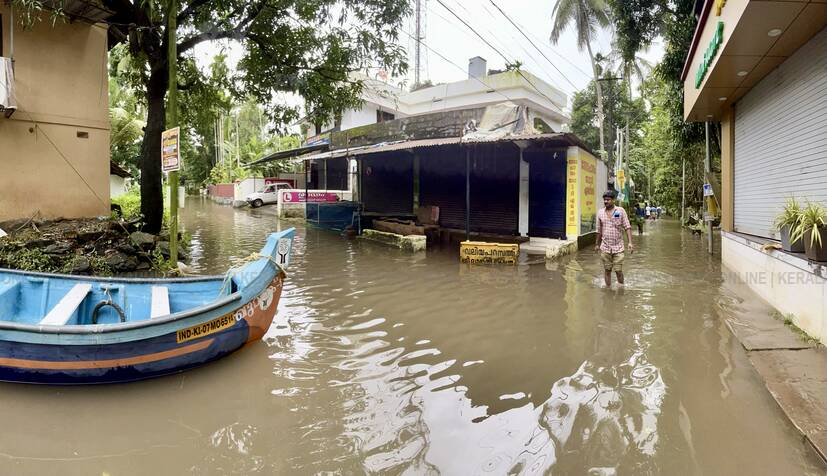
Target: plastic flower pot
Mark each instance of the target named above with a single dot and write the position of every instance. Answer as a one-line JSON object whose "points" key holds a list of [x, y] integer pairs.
{"points": [[795, 247], [816, 251]]}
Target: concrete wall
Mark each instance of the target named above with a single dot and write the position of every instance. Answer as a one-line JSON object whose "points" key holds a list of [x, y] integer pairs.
{"points": [[117, 186], [360, 117], [246, 187], [54, 151], [223, 190], [790, 289]]}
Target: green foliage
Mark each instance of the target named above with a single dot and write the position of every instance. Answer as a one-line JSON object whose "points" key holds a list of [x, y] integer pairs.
{"points": [[812, 219], [126, 113], [247, 140], [99, 266], [28, 260], [790, 216], [619, 109], [306, 48], [585, 16], [637, 23], [656, 160], [130, 203]]}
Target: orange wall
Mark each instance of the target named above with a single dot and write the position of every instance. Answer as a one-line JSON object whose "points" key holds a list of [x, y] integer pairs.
{"points": [[54, 151]]}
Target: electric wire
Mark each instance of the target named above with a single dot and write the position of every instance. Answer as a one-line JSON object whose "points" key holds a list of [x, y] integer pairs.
{"points": [[532, 43], [508, 61]]}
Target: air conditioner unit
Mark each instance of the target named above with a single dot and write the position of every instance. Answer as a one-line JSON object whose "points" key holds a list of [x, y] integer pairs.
{"points": [[7, 102]]}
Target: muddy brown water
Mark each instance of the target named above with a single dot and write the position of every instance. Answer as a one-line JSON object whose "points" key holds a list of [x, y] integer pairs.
{"points": [[380, 362]]}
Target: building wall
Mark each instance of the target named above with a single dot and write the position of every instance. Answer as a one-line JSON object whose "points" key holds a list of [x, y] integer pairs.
{"points": [[583, 191], [789, 289], [360, 117], [54, 151], [117, 186]]}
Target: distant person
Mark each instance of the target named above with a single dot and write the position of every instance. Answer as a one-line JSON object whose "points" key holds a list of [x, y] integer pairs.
{"points": [[640, 215], [648, 211], [612, 223]]}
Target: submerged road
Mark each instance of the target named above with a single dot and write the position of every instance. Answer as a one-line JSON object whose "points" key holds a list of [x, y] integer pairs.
{"points": [[381, 362]]}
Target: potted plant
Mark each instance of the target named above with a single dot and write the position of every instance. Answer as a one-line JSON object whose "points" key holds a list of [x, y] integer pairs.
{"points": [[785, 222], [813, 230]]}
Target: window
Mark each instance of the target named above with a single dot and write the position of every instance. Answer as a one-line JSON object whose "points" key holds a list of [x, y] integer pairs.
{"points": [[382, 116]]}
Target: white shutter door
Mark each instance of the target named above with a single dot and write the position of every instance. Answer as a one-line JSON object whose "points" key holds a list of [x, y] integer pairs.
{"points": [[781, 139]]}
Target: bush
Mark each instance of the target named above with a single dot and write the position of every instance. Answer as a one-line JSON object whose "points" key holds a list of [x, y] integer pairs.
{"points": [[130, 203]]}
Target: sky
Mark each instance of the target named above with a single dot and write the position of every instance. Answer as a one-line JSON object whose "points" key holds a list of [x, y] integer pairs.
{"points": [[445, 36]]}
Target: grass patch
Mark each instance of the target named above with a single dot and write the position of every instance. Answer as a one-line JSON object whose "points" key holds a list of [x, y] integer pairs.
{"points": [[789, 321]]}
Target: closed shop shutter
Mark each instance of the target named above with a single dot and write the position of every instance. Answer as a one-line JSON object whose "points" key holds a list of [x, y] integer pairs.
{"points": [[495, 171], [781, 139], [387, 184]]}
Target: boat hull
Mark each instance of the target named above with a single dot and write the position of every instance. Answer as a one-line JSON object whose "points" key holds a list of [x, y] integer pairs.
{"points": [[196, 342]]}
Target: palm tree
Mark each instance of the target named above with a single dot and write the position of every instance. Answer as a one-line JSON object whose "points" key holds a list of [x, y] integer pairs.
{"points": [[587, 16]]}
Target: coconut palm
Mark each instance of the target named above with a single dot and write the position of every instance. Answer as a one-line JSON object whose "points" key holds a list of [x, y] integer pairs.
{"points": [[586, 17]]}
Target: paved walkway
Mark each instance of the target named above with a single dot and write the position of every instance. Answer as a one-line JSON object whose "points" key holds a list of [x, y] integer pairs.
{"points": [[794, 369]]}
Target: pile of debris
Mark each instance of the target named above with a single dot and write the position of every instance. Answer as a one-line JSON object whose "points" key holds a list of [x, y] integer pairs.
{"points": [[96, 246]]}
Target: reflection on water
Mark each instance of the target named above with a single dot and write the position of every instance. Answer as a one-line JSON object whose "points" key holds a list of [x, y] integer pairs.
{"points": [[380, 362]]}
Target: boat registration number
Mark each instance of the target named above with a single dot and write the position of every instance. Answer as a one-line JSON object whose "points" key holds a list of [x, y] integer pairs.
{"points": [[207, 328]]}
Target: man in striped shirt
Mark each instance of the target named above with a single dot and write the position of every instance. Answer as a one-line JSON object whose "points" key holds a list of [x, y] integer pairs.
{"points": [[612, 222]]}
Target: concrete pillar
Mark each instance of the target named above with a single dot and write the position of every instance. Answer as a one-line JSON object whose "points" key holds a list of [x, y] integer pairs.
{"points": [[522, 226], [353, 179]]}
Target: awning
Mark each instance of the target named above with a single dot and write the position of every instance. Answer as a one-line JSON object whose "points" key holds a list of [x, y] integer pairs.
{"points": [[564, 139], [737, 43], [283, 154]]}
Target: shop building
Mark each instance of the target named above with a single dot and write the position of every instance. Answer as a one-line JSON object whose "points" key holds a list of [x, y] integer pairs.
{"points": [[759, 68]]}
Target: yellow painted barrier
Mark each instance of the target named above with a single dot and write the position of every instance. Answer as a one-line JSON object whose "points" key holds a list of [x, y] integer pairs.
{"points": [[482, 252]]}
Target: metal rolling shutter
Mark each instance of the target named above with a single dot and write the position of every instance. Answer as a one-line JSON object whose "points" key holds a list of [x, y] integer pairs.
{"points": [[494, 187], [387, 183], [781, 139]]}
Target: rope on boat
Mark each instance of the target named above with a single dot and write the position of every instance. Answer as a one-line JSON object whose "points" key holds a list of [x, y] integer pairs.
{"points": [[233, 272]]}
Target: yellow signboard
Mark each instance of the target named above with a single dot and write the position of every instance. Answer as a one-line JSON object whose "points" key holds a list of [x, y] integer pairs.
{"points": [[171, 150], [572, 187], [205, 329], [482, 252], [588, 206]]}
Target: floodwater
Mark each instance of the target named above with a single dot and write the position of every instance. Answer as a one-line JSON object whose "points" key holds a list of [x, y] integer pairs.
{"points": [[380, 362]]}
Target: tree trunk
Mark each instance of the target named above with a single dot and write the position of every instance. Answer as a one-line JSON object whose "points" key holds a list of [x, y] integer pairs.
{"points": [[598, 88], [152, 202]]}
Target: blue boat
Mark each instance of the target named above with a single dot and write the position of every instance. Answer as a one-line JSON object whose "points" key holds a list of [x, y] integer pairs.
{"points": [[66, 330]]}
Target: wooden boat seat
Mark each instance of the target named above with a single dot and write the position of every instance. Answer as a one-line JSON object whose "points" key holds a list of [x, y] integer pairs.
{"points": [[63, 310], [160, 302]]}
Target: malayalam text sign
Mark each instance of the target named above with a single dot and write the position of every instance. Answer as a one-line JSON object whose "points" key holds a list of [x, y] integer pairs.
{"points": [[588, 205], [312, 197], [170, 150], [572, 195]]}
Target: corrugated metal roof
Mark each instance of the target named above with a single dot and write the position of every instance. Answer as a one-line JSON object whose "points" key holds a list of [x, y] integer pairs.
{"points": [[384, 147], [566, 138]]}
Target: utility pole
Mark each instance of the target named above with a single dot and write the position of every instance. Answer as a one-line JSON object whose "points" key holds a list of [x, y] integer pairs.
{"points": [[611, 145], [172, 66]]}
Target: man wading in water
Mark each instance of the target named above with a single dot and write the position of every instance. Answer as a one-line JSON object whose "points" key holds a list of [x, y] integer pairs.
{"points": [[612, 221]]}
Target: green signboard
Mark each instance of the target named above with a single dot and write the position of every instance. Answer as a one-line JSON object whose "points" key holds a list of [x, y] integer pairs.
{"points": [[709, 54]]}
